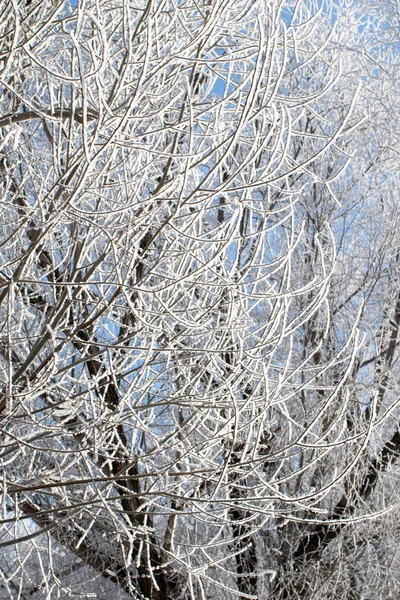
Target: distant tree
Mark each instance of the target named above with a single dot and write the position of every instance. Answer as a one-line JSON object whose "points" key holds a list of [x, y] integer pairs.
{"points": [[199, 300]]}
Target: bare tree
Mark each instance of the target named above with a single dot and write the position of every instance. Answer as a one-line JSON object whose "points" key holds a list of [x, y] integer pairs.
{"points": [[199, 300]]}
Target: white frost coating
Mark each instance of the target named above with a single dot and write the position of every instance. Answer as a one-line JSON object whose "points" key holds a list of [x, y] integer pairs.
{"points": [[199, 297]]}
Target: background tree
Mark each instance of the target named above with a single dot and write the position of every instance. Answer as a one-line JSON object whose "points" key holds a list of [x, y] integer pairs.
{"points": [[199, 300]]}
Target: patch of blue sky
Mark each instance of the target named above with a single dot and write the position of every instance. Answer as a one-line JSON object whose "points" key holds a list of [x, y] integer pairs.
{"points": [[219, 87], [328, 8]]}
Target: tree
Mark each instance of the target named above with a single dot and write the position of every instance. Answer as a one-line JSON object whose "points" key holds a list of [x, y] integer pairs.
{"points": [[198, 351]]}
